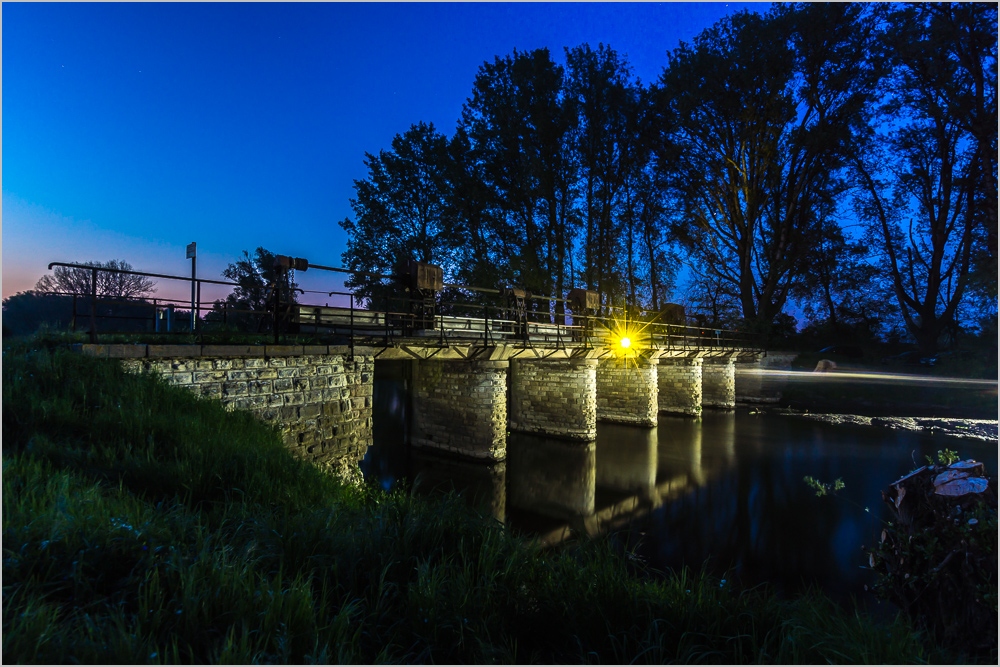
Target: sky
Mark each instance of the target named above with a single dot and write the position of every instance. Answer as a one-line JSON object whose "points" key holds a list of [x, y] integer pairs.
{"points": [[131, 130]]}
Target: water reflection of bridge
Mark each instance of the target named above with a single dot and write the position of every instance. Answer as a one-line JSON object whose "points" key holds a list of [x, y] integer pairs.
{"points": [[556, 489]]}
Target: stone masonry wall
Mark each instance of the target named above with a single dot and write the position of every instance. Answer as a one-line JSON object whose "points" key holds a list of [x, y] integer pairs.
{"points": [[461, 407], [718, 383], [319, 396], [555, 398], [627, 391], [679, 389]]}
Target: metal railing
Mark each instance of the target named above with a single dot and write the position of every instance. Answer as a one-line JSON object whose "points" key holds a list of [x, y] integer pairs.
{"points": [[388, 319]]}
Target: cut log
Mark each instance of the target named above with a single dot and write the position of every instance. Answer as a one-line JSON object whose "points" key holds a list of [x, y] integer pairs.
{"points": [[962, 487]]}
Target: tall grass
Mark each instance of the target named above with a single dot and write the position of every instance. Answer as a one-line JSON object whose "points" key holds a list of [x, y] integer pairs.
{"points": [[145, 525]]}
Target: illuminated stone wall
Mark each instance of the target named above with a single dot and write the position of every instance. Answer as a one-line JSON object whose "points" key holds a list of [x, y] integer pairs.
{"points": [[627, 391], [679, 386], [718, 382], [556, 398], [461, 407], [318, 395]]}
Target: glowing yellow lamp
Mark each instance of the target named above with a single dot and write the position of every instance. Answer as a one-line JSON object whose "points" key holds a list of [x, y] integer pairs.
{"points": [[625, 342]]}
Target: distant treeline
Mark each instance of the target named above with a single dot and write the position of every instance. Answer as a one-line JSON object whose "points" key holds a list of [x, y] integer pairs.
{"points": [[757, 146]]}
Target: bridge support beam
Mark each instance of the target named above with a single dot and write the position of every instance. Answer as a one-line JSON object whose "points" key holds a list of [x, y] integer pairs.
{"points": [[461, 407], [557, 398], [679, 385], [718, 382], [627, 391]]}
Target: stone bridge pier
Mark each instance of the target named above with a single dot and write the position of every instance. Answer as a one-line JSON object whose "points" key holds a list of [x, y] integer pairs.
{"points": [[679, 382], [554, 397], [718, 377], [461, 406], [627, 390]]}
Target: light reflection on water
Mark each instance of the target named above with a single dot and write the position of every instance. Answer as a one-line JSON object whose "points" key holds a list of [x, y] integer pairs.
{"points": [[726, 488]]}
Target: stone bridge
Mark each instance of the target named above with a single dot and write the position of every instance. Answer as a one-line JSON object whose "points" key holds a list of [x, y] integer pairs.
{"points": [[465, 395]]}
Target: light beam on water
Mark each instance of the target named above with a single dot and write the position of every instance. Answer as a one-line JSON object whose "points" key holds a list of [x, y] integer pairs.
{"points": [[872, 377]]}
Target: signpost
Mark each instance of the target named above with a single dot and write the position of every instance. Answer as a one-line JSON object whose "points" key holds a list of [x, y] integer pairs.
{"points": [[192, 255]]}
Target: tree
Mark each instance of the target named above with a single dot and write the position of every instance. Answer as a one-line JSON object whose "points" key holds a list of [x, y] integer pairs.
{"points": [[606, 141], [841, 290], [518, 129], [254, 276], [967, 33], [921, 181], [757, 119], [401, 208], [27, 312], [711, 302], [110, 284]]}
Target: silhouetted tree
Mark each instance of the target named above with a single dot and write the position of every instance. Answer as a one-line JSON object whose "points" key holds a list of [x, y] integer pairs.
{"points": [[518, 129], [922, 183], [72, 280], [607, 144], [254, 276], [758, 117], [401, 208], [840, 289], [27, 312]]}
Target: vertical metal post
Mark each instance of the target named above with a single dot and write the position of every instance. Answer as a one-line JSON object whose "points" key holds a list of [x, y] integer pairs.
{"points": [[277, 303], [93, 305], [192, 254], [72, 321], [351, 334], [385, 317], [197, 310]]}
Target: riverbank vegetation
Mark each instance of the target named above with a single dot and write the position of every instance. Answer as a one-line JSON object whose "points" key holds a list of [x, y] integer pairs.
{"points": [[145, 525]]}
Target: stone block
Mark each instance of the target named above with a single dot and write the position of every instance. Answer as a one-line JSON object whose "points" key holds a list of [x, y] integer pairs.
{"points": [[232, 350], [234, 389], [126, 351], [211, 390], [200, 377], [273, 351], [179, 378], [173, 351]]}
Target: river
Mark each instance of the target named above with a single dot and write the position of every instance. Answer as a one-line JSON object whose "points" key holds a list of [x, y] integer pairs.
{"points": [[725, 490]]}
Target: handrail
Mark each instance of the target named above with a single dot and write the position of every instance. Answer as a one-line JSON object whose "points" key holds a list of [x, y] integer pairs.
{"points": [[488, 320], [140, 273]]}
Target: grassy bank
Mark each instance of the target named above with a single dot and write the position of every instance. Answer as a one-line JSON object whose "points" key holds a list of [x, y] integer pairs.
{"points": [[144, 525]]}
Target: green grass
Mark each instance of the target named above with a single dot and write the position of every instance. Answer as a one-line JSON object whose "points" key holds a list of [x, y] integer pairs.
{"points": [[144, 525]]}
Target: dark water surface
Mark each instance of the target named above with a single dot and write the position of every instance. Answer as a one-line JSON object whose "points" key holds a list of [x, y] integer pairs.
{"points": [[726, 489]]}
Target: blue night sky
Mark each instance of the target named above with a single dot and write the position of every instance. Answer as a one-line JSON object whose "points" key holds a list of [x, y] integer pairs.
{"points": [[130, 130]]}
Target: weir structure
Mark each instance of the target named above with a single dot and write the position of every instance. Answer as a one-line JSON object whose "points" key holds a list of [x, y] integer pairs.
{"points": [[465, 398], [482, 363]]}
